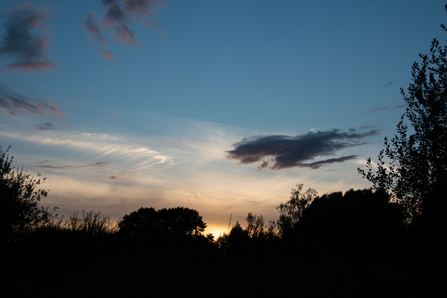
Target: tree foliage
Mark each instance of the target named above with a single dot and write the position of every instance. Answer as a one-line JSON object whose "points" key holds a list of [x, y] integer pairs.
{"points": [[179, 220], [354, 214], [292, 210], [413, 165], [255, 225], [19, 200]]}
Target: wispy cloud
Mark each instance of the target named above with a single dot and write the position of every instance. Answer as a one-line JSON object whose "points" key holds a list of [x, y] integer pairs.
{"points": [[104, 146], [377, 109], [388, 84], [22, 43], [91, 26], [96, 165], [401, 106], [119, 16], [45, 126], [17, 104], [278, 152]]}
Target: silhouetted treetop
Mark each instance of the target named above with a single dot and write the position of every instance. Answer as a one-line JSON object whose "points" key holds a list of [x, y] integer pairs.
{"points": [[292, 210], [179, 220], [413, 165]]}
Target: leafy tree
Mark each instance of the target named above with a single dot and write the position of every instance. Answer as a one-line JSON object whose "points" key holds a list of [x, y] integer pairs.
{"points": [[179, 220], [292, 210], [355, 214], [255, 226], [19, 200], [413, 165], [143, 221], [235, 242]]}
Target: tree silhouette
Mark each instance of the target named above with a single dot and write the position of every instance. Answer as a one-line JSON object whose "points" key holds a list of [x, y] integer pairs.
{"points": [[179, 220], [19, 200], [292, 210], [255, 225], [357, 218], [416, 170]]}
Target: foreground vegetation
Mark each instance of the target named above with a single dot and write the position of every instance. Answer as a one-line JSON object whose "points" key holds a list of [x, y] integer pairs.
{"points": [[337, 245]]}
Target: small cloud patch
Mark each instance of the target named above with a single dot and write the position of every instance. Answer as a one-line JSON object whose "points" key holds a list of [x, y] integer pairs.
{"points": [[45, 126]]}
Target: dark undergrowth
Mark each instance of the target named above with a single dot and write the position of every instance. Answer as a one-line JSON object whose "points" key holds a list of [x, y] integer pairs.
{"points": [[61, 263]]}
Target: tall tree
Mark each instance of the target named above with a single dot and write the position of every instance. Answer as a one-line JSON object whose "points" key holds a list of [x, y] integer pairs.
{"points": [[413, 165]]}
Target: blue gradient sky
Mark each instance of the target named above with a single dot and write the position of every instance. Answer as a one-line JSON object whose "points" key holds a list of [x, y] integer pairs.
{"points": [[151, 125]]}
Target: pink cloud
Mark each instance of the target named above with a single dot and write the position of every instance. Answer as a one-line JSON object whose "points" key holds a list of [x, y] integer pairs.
{"points": [[16, 104], [120, 14]]}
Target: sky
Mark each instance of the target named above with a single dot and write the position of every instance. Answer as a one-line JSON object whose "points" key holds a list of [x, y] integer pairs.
{"points": [[218, 106]]}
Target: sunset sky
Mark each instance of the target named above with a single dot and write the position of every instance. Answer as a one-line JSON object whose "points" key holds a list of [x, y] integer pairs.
{"points": [[218, 106]]}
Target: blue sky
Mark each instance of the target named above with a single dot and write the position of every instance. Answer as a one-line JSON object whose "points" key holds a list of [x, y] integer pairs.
{"points": [[220, 106]]}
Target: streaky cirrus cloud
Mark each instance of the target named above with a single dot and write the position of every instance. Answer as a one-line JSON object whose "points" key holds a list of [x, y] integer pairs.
{"points": [[96, 165], [22, 43], [45, 126], [17, 104], [100, 146], [119, 16], [278, 152]]}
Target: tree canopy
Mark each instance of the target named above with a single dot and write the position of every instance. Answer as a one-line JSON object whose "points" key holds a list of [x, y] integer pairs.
{"points": [[292, 210], [179, 220], [413, 165]]}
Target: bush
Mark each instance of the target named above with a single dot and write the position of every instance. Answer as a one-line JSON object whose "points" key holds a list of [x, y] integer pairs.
{"points": [[20, 211]]}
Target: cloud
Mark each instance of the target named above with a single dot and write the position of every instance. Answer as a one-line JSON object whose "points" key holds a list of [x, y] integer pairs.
{"points": [[21, 42], [106, 54], [16, 104], [91, 26], [96, 165], [100, 146], [278, 152], [401, 106], [377, 109], [388, 84], [119, 16], [45, 126]]}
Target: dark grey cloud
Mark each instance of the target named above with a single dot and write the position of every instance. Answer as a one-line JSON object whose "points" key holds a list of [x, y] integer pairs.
{"points": [[21, 42], [17, 104], [45, 126], [388, 84], [281, 152], [119, 16], [95, 165]]}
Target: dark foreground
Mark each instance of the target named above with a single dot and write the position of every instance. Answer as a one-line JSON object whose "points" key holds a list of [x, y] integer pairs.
{"points": [[55, 263]]}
